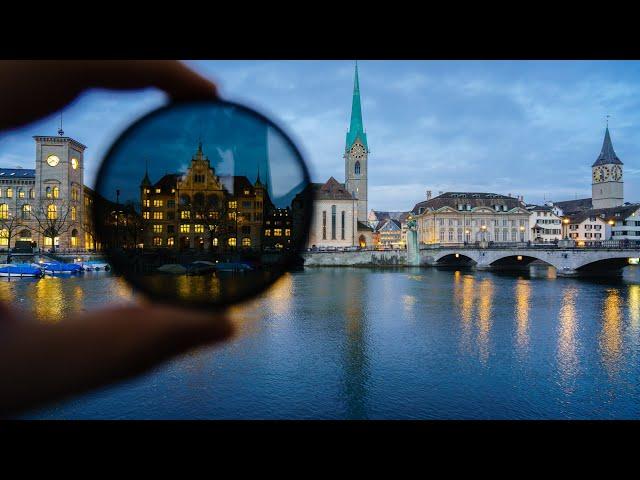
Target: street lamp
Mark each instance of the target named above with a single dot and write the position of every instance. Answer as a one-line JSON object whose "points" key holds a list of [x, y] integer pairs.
{"points": [[522, 233], [484, 231], [565, 223]]}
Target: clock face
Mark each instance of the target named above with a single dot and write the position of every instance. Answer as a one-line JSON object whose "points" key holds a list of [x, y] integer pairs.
{"points": [[616, 173], [597, 175], [53, 160], [74, 163], [357, 151], [606, 173]]}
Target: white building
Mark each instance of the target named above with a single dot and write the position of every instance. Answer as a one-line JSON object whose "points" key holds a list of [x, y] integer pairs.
{"points": [[334, 221], [587, 227], [468, 217], [544, 225]]}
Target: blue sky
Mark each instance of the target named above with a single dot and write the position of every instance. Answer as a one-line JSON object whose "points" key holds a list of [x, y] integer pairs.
{"points": [[526, 128]]}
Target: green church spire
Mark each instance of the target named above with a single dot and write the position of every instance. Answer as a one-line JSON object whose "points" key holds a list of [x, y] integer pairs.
{"points": [[356, 128]]}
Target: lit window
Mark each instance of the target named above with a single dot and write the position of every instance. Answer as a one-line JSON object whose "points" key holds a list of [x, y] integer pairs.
{"points": [[4, 237], [146, 203], [32, 194], [246, 192], [198, 228], [146, 190], [157, 229], [9, 192], [186, 228], [158, 215], [73, 214], [233, 204], [26, 212], [246, 242], [157, 203], [231, 241], [215, 242], [145, 215], [157, 241], [56, 192], [185, 214], [4, 211], [287, 233], [20, 193], [277, 232], [52, 212], [170, 241], [232, 215], [158, 190]]}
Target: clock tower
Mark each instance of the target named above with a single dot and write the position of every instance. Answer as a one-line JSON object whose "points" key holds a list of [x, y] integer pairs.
{"points": [[607, 182], [59, 180], [356, 155]]}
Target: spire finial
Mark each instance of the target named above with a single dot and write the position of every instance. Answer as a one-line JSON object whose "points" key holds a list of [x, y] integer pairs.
{"points": [[60, 130], [607, 119]]}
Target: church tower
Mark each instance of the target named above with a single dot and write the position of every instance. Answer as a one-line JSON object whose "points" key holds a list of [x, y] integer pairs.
{"points": [[607, 185], [356, 154]]}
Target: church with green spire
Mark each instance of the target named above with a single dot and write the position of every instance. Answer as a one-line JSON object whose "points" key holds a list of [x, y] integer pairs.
{"points": [[356, 154]]}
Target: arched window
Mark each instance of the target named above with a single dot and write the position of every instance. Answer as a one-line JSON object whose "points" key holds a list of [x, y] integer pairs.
{"points": [[48, 192], [20, 193], [52, 212], [74, 238], [26, 211], [4, 211], [32, 194], [9, 192], [56, 192], [357, 168]]}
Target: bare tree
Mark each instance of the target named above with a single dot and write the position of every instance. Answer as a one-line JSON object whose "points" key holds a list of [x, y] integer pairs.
{"points": [[10, 223], [212, 213], [53, 217]]}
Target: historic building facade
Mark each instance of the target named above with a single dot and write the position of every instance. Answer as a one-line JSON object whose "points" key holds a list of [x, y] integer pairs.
{"points": [[201, 210], [468, 217], [544, 225], [48, 205], [339, 216]]}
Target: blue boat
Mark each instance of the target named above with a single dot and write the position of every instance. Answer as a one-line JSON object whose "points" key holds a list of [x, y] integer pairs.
{"points": [[20, 270], [62, 268]]}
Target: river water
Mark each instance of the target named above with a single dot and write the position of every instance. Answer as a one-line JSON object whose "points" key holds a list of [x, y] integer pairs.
{"points": [[384, 343]]}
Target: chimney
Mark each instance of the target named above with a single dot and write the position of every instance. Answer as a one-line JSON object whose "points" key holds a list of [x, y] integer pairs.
{"points": [[428, 194]]}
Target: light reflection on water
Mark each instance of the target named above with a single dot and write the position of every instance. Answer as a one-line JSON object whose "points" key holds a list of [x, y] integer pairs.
{"points": [[386, 343]]}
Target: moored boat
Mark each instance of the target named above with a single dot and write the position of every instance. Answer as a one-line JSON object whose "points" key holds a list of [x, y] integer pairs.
{"points": [[55, 267], [20, 270]]}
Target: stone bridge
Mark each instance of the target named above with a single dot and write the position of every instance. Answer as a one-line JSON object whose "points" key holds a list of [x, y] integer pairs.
{"points": [[567, 262]]}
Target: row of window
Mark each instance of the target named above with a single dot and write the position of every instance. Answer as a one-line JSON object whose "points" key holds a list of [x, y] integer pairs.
{"points": [[277, 232], [232, 241], [52, 212], [21, 193]]}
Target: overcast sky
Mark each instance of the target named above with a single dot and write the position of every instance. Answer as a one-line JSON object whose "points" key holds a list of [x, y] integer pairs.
{"points": [[525, 128]]}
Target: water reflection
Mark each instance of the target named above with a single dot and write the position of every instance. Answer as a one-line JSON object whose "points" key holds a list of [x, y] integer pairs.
{"points": [[523, 303], [485, 292], [566, 350], [464, 301], [611, 333], [634, 307], [356, 367]]}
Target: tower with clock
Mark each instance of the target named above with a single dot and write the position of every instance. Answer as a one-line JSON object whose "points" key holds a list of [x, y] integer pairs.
{"points": [[607, 182], [356, 154], [59, 180]]}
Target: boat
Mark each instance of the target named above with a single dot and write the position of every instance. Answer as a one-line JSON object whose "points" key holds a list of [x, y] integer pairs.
{"points": [[174, 268], [55, 267], [95, 265], [233, 267], [20, 270]]}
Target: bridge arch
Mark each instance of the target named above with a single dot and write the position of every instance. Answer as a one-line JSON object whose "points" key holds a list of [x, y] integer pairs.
{"points": [[454, 259], [614, 262], [515, 259]]}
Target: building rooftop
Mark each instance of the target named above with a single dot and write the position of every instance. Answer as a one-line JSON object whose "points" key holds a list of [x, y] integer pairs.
{"points": [[574, 206], [475, 199], [607, 154], [330, 190], [17, 173]]}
